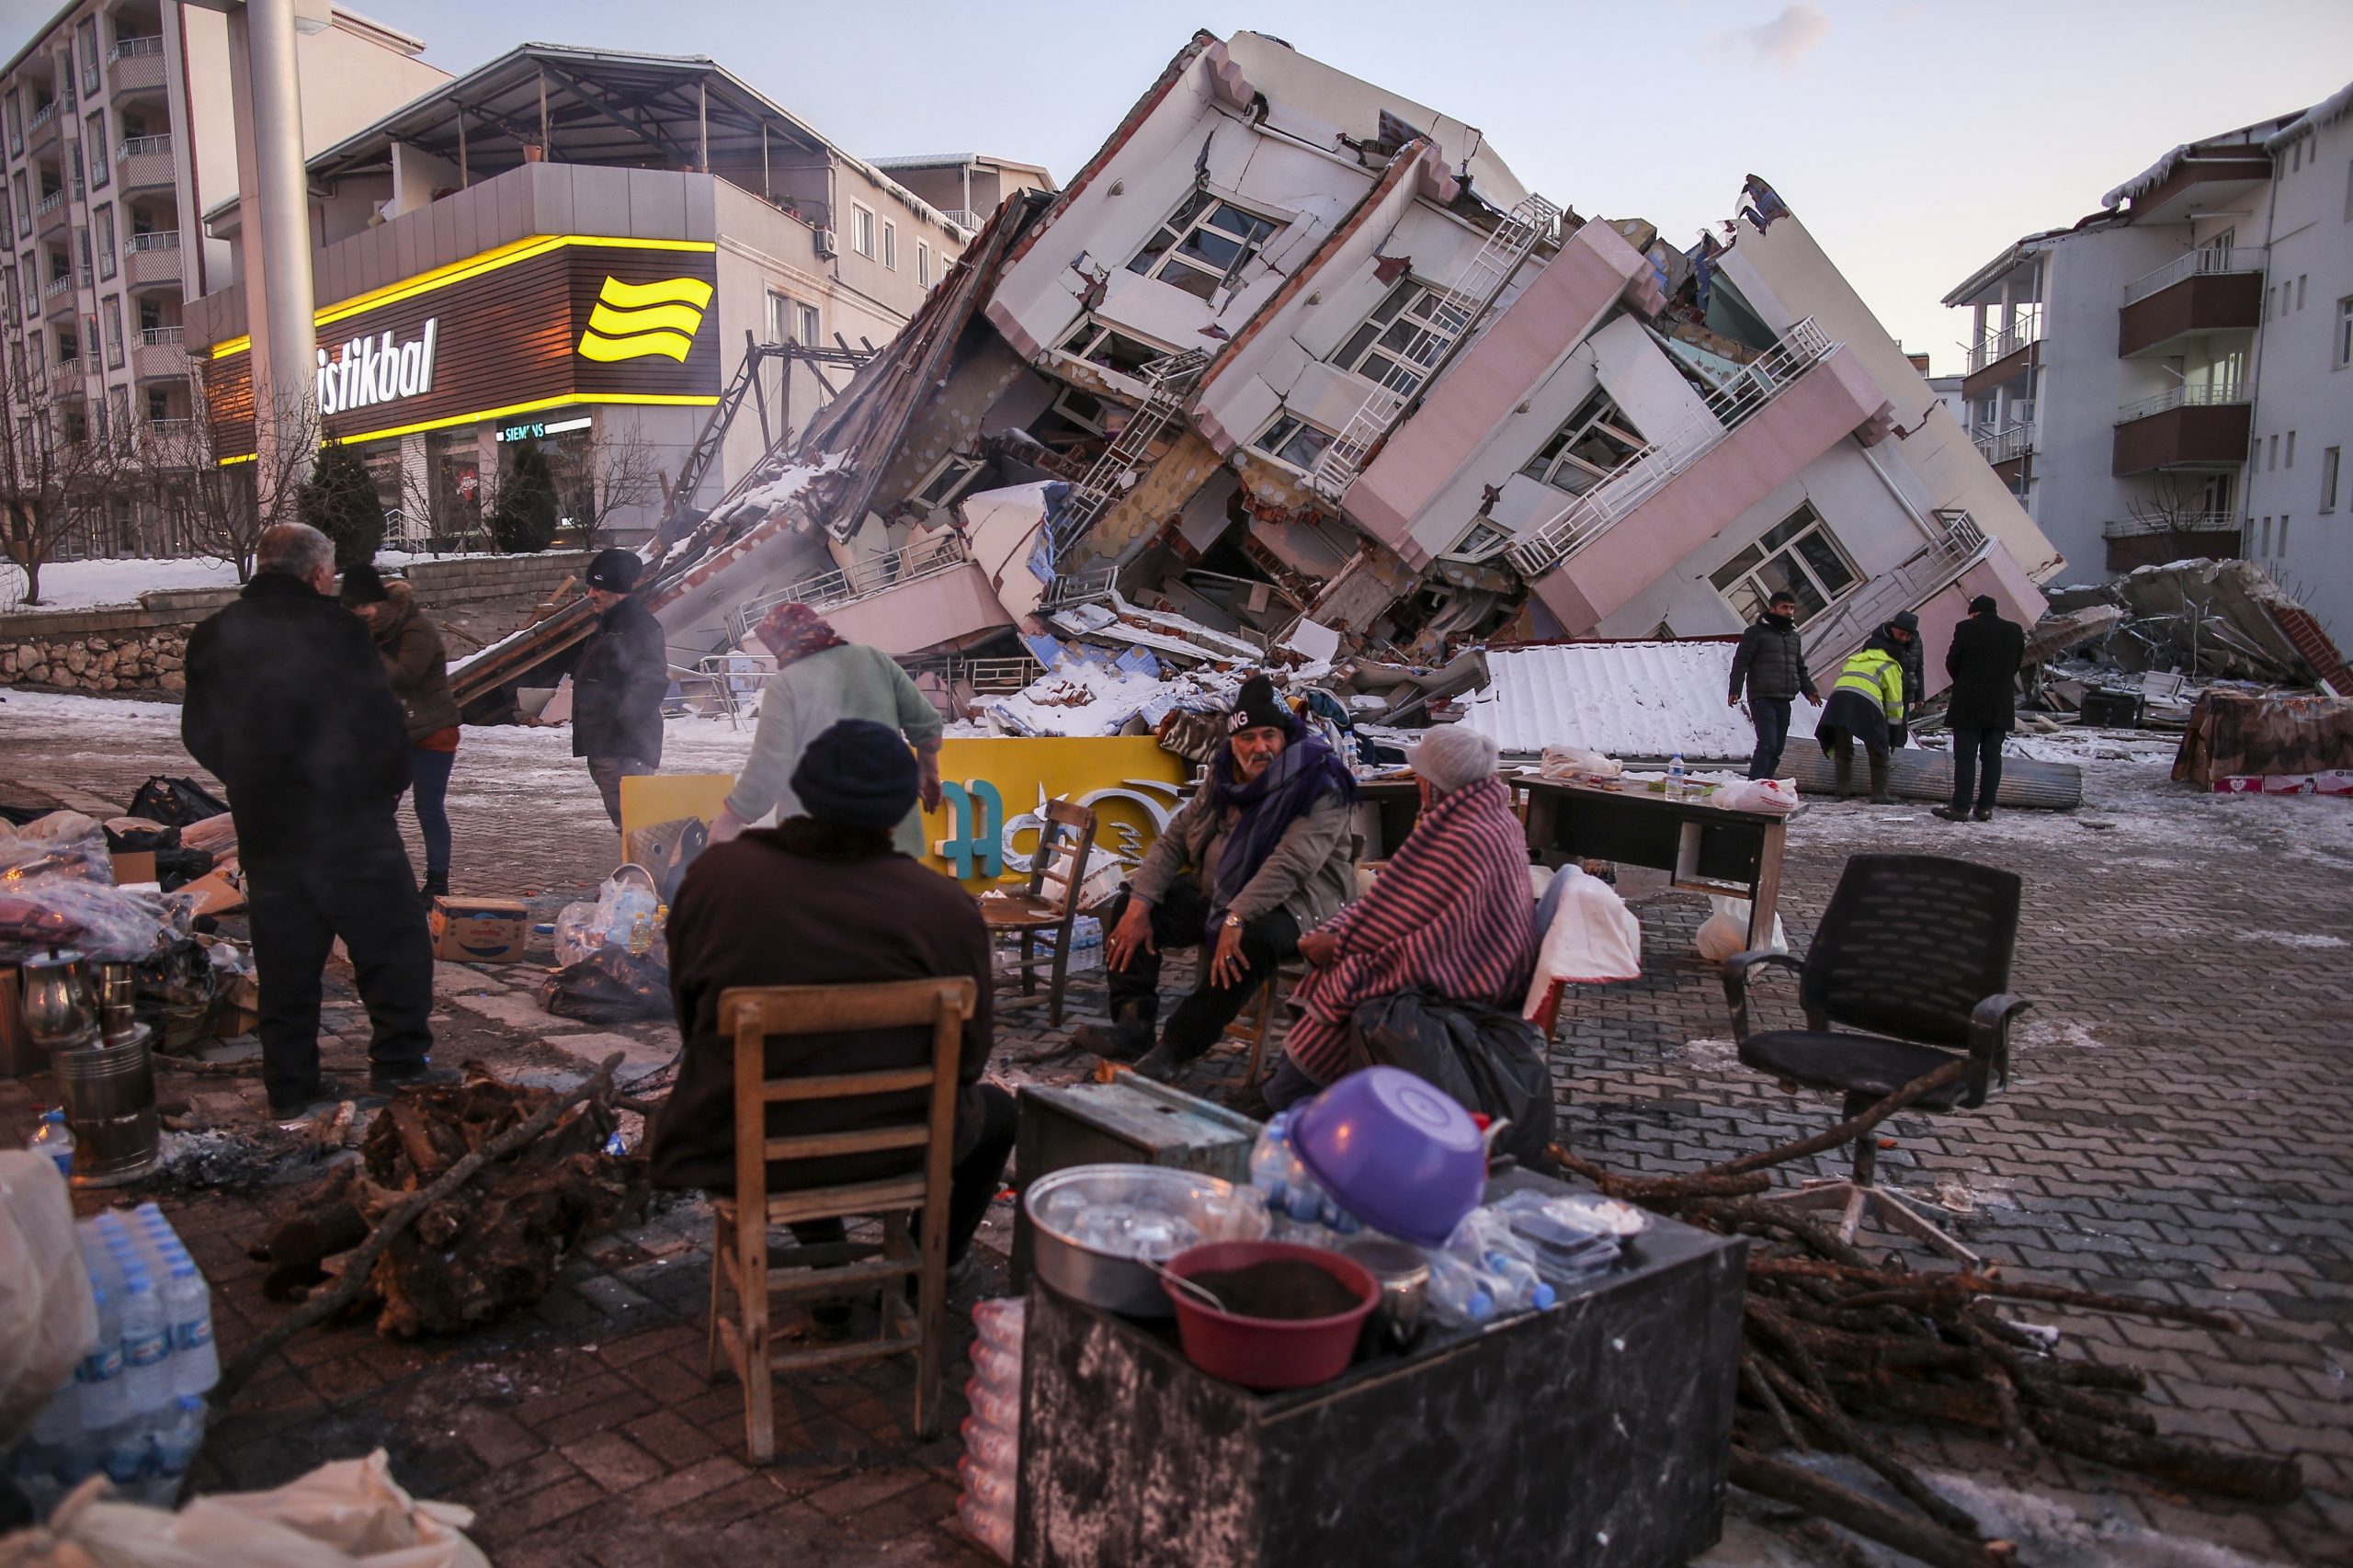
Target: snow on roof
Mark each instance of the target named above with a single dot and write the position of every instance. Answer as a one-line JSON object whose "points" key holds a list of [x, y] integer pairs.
{"points": [[1644, 699], [2334, 106]]}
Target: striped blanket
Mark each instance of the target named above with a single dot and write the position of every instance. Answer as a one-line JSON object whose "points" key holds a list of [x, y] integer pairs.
{"points": [[1451, 912]]}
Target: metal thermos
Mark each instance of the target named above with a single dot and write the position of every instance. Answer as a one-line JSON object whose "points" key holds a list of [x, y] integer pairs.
{"points": [[55, 1008], [118, 990]]}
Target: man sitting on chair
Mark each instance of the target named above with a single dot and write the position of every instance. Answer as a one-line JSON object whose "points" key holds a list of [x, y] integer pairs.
{"points": [[1267, 839], [824, 899]]}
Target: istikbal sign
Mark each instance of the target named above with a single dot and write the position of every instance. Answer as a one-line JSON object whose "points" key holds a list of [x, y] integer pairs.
{"points": [[366, 370]]}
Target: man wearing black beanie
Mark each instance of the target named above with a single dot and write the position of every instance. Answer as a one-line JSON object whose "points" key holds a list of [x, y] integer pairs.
{"points": [[824, 899], [619, 682]]}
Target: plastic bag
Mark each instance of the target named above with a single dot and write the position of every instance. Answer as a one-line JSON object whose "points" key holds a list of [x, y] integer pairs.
{"points": [[105, 921], [609, 987], [1756, 795], [580, 929], [46, 1321], [1576, 762], [1490, 1060], [1725, 932], [62, 844], [177, 801]]}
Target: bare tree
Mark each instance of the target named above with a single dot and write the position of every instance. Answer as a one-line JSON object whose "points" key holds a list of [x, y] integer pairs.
{"points": [[218, 492], [617, 470], [57, 472], [2173, 507]]}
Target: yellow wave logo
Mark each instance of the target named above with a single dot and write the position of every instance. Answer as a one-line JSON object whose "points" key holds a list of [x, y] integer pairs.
{"points": [[634, 320]]}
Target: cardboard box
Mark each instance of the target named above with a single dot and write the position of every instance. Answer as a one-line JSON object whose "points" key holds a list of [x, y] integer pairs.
{"points": [[133, 866], [479, 930]]}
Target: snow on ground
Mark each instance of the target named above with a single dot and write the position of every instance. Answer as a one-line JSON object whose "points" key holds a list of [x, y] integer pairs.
{"points": [[89, 584]]}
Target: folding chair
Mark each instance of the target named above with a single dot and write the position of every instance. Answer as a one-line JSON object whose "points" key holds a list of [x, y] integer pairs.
{"points": [[741, 1257]]}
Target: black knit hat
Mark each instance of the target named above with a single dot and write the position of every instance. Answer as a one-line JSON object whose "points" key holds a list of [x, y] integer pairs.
{"points": [[361, 585], [1256, 706], [858, 773], [614, 571], [1984, 604], [1904, 619]]}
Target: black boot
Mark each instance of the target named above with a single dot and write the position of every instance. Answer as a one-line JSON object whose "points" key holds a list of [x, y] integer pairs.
{"points": [[1842, 767], [1126, 1037], [1951, 813], [1880, 797]]}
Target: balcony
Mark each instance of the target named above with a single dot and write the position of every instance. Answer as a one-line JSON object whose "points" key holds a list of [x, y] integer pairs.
{"points": [[43, 129], [2008, 448], [923, 596], [2216, 289], [2151, 540], [149, 259], [157, 354], [57, 300], [143, 162], [136, 64], [50, 216], [2188, 427], [964, 219], [2002, 356], [65, 378], [1956, 546]]}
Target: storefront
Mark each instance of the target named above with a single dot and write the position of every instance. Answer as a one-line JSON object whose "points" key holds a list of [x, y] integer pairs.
{"points": [[594, 353]]}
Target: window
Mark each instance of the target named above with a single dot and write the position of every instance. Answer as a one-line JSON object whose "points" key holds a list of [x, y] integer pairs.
{"points": [[2283, 533], [7, 208], [1403, 336], [16, 133], [2262, 540], [97, 143], [862, 231], [1291, 439], [1082, 409], [891, 246], [106, 242], [8, 286], [2273, 460], [159, 405], [74, 159], [2331, 458], [2292, 449], [1797, 556], [69, 347], [114, 332], [119, 399], [1596, 438], [781, 318], [810, 335], [923, 265], [2300, 279], [87, 35], [1204, 244], [100, 410], [24, 207], [1115, 351], [2344, 332]]}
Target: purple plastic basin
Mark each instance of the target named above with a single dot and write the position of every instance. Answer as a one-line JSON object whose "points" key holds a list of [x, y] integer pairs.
{"points": [[1395, 1152]]}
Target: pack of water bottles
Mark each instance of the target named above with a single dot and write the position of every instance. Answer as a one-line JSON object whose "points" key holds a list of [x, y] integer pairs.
{"points": [[989, 1467], [135, 1408]]}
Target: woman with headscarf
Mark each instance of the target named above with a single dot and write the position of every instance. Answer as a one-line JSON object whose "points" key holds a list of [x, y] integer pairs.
{"points": [[418, 667], [821, 680], [1451, 914]]}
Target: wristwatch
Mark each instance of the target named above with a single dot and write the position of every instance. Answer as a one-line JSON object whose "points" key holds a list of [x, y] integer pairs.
{"points": [[1232, 921]]}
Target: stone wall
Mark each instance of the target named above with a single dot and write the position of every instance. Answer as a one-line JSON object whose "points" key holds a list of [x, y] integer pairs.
{"points": [[138, 647]]}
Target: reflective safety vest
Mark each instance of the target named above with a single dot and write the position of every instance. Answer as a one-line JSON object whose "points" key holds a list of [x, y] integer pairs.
{"points": [[1876, 674]]}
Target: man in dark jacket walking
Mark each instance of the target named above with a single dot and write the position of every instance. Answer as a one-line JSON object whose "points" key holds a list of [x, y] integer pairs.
{"points": [[1771, 661], [1983, 663], [618, 684], [288, 706]]}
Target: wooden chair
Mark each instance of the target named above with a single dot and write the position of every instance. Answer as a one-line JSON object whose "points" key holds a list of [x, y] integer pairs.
{"points": [[741, 1259], [1057, 876], [1285, 975]]}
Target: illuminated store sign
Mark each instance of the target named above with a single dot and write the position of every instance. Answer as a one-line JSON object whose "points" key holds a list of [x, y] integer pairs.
{"points": [[363, 372]]}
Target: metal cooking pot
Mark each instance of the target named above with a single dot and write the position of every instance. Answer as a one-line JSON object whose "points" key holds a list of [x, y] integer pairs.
{"points": [[1112, 1281]]}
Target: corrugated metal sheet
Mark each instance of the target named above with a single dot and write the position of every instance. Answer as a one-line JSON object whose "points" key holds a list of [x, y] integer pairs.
{"points": [[1627, 699]]}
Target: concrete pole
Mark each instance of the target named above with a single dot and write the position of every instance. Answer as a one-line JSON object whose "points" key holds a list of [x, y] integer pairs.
{"points": [[284, 211]]}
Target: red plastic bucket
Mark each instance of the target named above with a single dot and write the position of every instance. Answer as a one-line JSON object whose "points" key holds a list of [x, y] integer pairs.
{"points": [[1268, 1353]]}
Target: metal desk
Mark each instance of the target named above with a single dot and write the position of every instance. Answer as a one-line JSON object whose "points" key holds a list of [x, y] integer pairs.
{"points": [[1704, 848]]}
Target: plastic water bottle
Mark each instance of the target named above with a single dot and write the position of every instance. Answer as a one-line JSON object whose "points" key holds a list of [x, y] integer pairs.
{"points": [[123, 1452], [173, 1450], [188, 1305], [1514, 1283], [1457, 1293], [106, 1397], [1270, 1159], [1674, 776], [55, 1140], [146, 1345]]}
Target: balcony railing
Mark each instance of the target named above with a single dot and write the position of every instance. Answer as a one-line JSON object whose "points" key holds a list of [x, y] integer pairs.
{"points": [[159, 337], [963, 218], [2176, 523], [43, 118], [56, 286], [1952, 550], [139, 146], [2208, 262], [863, 581], [131, 48], [48, 204], [159, 239], [2008, 444], [2184, 396], [2000, 342], [1641, 476]]}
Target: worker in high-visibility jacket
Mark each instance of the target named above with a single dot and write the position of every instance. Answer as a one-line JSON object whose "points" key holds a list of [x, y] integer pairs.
{"points": [[1867, 705]]}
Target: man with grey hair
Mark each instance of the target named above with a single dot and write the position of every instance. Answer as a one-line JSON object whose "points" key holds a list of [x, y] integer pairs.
{"points": [[1452, 914], [288, 705]]}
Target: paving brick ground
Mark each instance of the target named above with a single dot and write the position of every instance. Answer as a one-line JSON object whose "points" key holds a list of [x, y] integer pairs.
{"points": [[2176, 1128]]}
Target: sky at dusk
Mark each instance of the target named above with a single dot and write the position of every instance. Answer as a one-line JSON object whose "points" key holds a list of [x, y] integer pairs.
{"points": [[1914, 139]]}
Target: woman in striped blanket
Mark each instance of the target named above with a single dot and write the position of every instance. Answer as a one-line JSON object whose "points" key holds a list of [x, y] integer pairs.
{"points": [[1452, 912]]}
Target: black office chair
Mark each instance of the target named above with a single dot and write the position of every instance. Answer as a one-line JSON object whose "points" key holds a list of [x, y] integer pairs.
{"points": [[1916, 949]]}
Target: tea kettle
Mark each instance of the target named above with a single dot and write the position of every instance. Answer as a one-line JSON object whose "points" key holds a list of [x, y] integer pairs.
{"points": [[53, 1001]]}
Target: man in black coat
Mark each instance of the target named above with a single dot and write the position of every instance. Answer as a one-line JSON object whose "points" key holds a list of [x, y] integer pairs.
{"points": [[619, 681], [1983, 663], [288, 705], [1770, 660]]}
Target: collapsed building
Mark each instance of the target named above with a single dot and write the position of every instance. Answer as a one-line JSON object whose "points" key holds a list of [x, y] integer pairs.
{"points": [[1296, 372]]}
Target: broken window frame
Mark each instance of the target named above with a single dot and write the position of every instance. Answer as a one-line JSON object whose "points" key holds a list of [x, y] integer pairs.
{"points": [[1095, 340], [1063, 407], [1411, 316], [1484, 540], [1184, 252], [948, 480], [1287, 440], [1560, 464], [1802, 541]]}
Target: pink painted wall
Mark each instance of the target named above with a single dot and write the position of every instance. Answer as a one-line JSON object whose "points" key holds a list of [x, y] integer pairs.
{"points": [[924, 614], [1551, 316], [1817, 411]]}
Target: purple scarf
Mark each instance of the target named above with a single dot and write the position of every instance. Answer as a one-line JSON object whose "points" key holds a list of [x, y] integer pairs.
{"points": [[1305, 772]]}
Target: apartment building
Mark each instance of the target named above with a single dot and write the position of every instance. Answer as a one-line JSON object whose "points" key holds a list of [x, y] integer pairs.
{"points": [[967, 186], [2166, 377], [118, 130], [1292, 348], [573, 247]]}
